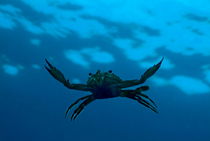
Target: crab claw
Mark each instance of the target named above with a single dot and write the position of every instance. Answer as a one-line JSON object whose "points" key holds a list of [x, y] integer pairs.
{"points": [[149, 72], [58, 75]]}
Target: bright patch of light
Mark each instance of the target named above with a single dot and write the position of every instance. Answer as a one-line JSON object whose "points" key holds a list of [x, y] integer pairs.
{"points": [[36, 66], [190, 85], [6, 16], [30, 27], [76, 81], [187, 85], [134, 53], [188, 43], [44, 6], [11, 70], [9, 14], [77, 58], [54, 29], [85, 28], [6, 21], [145, 13], [35, 42], [97, 55], [159, 81], [9, 8], [207, 73], [84, 56], [63, 23], [202, 5]]}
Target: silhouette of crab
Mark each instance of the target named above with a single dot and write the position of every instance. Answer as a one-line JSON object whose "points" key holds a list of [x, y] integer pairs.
{"points": [[104, 85]]}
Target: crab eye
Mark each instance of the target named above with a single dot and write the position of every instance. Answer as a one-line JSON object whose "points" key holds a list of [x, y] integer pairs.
{"points": [[110, 71], [90, 74]]}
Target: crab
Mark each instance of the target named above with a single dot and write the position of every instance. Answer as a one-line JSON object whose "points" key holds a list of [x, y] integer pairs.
{"points": [[103, 85]]}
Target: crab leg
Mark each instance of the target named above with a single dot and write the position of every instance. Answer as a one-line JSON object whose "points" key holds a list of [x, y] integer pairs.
{"points": [[132, 95], [82, 98], [139, 90], [147, 97], [58, 75], [142, 88], [81, 107], [145, 103]]}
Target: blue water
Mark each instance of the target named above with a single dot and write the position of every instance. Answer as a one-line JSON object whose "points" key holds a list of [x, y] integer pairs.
{"points": [[127, 37]]}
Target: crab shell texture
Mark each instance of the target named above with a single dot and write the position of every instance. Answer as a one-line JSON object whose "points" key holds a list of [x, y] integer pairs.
{"points": [[103, 78], [103, 84]]}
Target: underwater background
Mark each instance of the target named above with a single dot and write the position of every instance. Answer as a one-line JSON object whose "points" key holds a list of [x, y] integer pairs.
{"points": [[125, 36]]}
